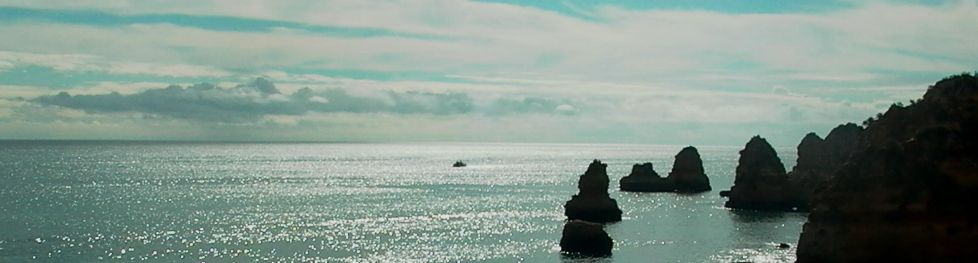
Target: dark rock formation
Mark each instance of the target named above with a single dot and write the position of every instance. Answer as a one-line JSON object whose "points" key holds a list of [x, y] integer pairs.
{"points": [[687, 172], [686, 176], [761, 182], [811, 153], [819, 159], [644, 179], [763, 187], [907, 192], [585, 239], [592, 202]]}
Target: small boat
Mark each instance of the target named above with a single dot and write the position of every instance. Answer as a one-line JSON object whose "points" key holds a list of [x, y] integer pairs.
{"points": [[459, 164]]}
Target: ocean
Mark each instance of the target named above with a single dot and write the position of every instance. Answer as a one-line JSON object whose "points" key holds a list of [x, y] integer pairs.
{"points": [[77, 201]]}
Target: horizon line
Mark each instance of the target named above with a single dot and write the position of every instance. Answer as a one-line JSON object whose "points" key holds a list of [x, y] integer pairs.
{"points": [[4, 140]]}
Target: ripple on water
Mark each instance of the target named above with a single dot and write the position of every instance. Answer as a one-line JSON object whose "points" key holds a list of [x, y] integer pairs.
{"points": [[353, 203]]}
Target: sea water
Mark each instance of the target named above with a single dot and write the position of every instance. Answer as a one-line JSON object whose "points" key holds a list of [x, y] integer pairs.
{"points": [[64, 201]]}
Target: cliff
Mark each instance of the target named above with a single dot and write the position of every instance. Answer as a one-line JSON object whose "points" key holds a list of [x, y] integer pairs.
{"points": [[905, 194], [819, 159]]}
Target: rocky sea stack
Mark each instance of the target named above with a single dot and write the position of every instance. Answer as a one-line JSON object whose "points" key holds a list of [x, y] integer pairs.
{"points": [[765, 188], [687, 172], [644, 179], [592, 202], [761, 182], [686, 176], [585, 239], [907, 192]]}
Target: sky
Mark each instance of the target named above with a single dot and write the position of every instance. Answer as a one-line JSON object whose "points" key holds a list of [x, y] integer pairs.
{"points": [[699, 72]]}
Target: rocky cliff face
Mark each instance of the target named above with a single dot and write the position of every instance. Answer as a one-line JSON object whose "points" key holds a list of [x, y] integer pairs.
{"points": [[819, 159], [592, 202], [906, 193], [687, 172], [761, 182], [762, 185]]}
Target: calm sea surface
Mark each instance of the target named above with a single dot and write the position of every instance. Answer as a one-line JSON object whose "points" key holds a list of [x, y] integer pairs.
{"points": [[290, 202]]}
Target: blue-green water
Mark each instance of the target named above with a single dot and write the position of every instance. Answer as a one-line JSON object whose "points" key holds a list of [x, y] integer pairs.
{"points": [[289, 202]]}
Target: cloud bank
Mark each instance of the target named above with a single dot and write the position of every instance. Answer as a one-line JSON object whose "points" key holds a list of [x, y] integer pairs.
{"points": [[260, 98], [573, 71]]}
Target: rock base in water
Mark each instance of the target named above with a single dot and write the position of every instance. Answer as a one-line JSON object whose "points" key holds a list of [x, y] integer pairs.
{"points": [[585, 239], [592, 208]]}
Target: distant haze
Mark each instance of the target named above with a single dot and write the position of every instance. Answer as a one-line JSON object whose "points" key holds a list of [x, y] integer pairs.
{"points": [[656, 72]]}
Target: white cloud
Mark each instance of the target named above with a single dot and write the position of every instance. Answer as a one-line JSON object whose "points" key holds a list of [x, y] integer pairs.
{"points": [[72, 62], [5, 65], [629, 68], [13, 91], [628, 45], [101, 87]]}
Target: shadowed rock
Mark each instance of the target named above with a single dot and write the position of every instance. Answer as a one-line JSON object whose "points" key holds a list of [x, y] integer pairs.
{"points": [[594, 181], [687, 172], [906, 194], [592, 202], [585, 239], [811, 153], [686, 176], [819, 159], [761, 182], [644, 179]]}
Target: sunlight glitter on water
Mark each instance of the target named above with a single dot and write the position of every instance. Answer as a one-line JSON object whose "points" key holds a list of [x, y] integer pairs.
{"points": [[162, 202]]}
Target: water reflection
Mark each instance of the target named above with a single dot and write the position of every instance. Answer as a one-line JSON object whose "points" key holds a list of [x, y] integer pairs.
{"points": [[748, 217], [569, 258], [765, 226], [354, 203]]}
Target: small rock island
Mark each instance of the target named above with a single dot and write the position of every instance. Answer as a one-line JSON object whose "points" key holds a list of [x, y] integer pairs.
{"points": [[687, 172], [761, 182], [686, 176], [592, 202], [643, 178]]}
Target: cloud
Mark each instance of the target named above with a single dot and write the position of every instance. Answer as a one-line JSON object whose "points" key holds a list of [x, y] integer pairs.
{"points": [[6, 65], [72, 63], [531, 104], [260, 98], [637, 71], [217, 23], [861, 43]]}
